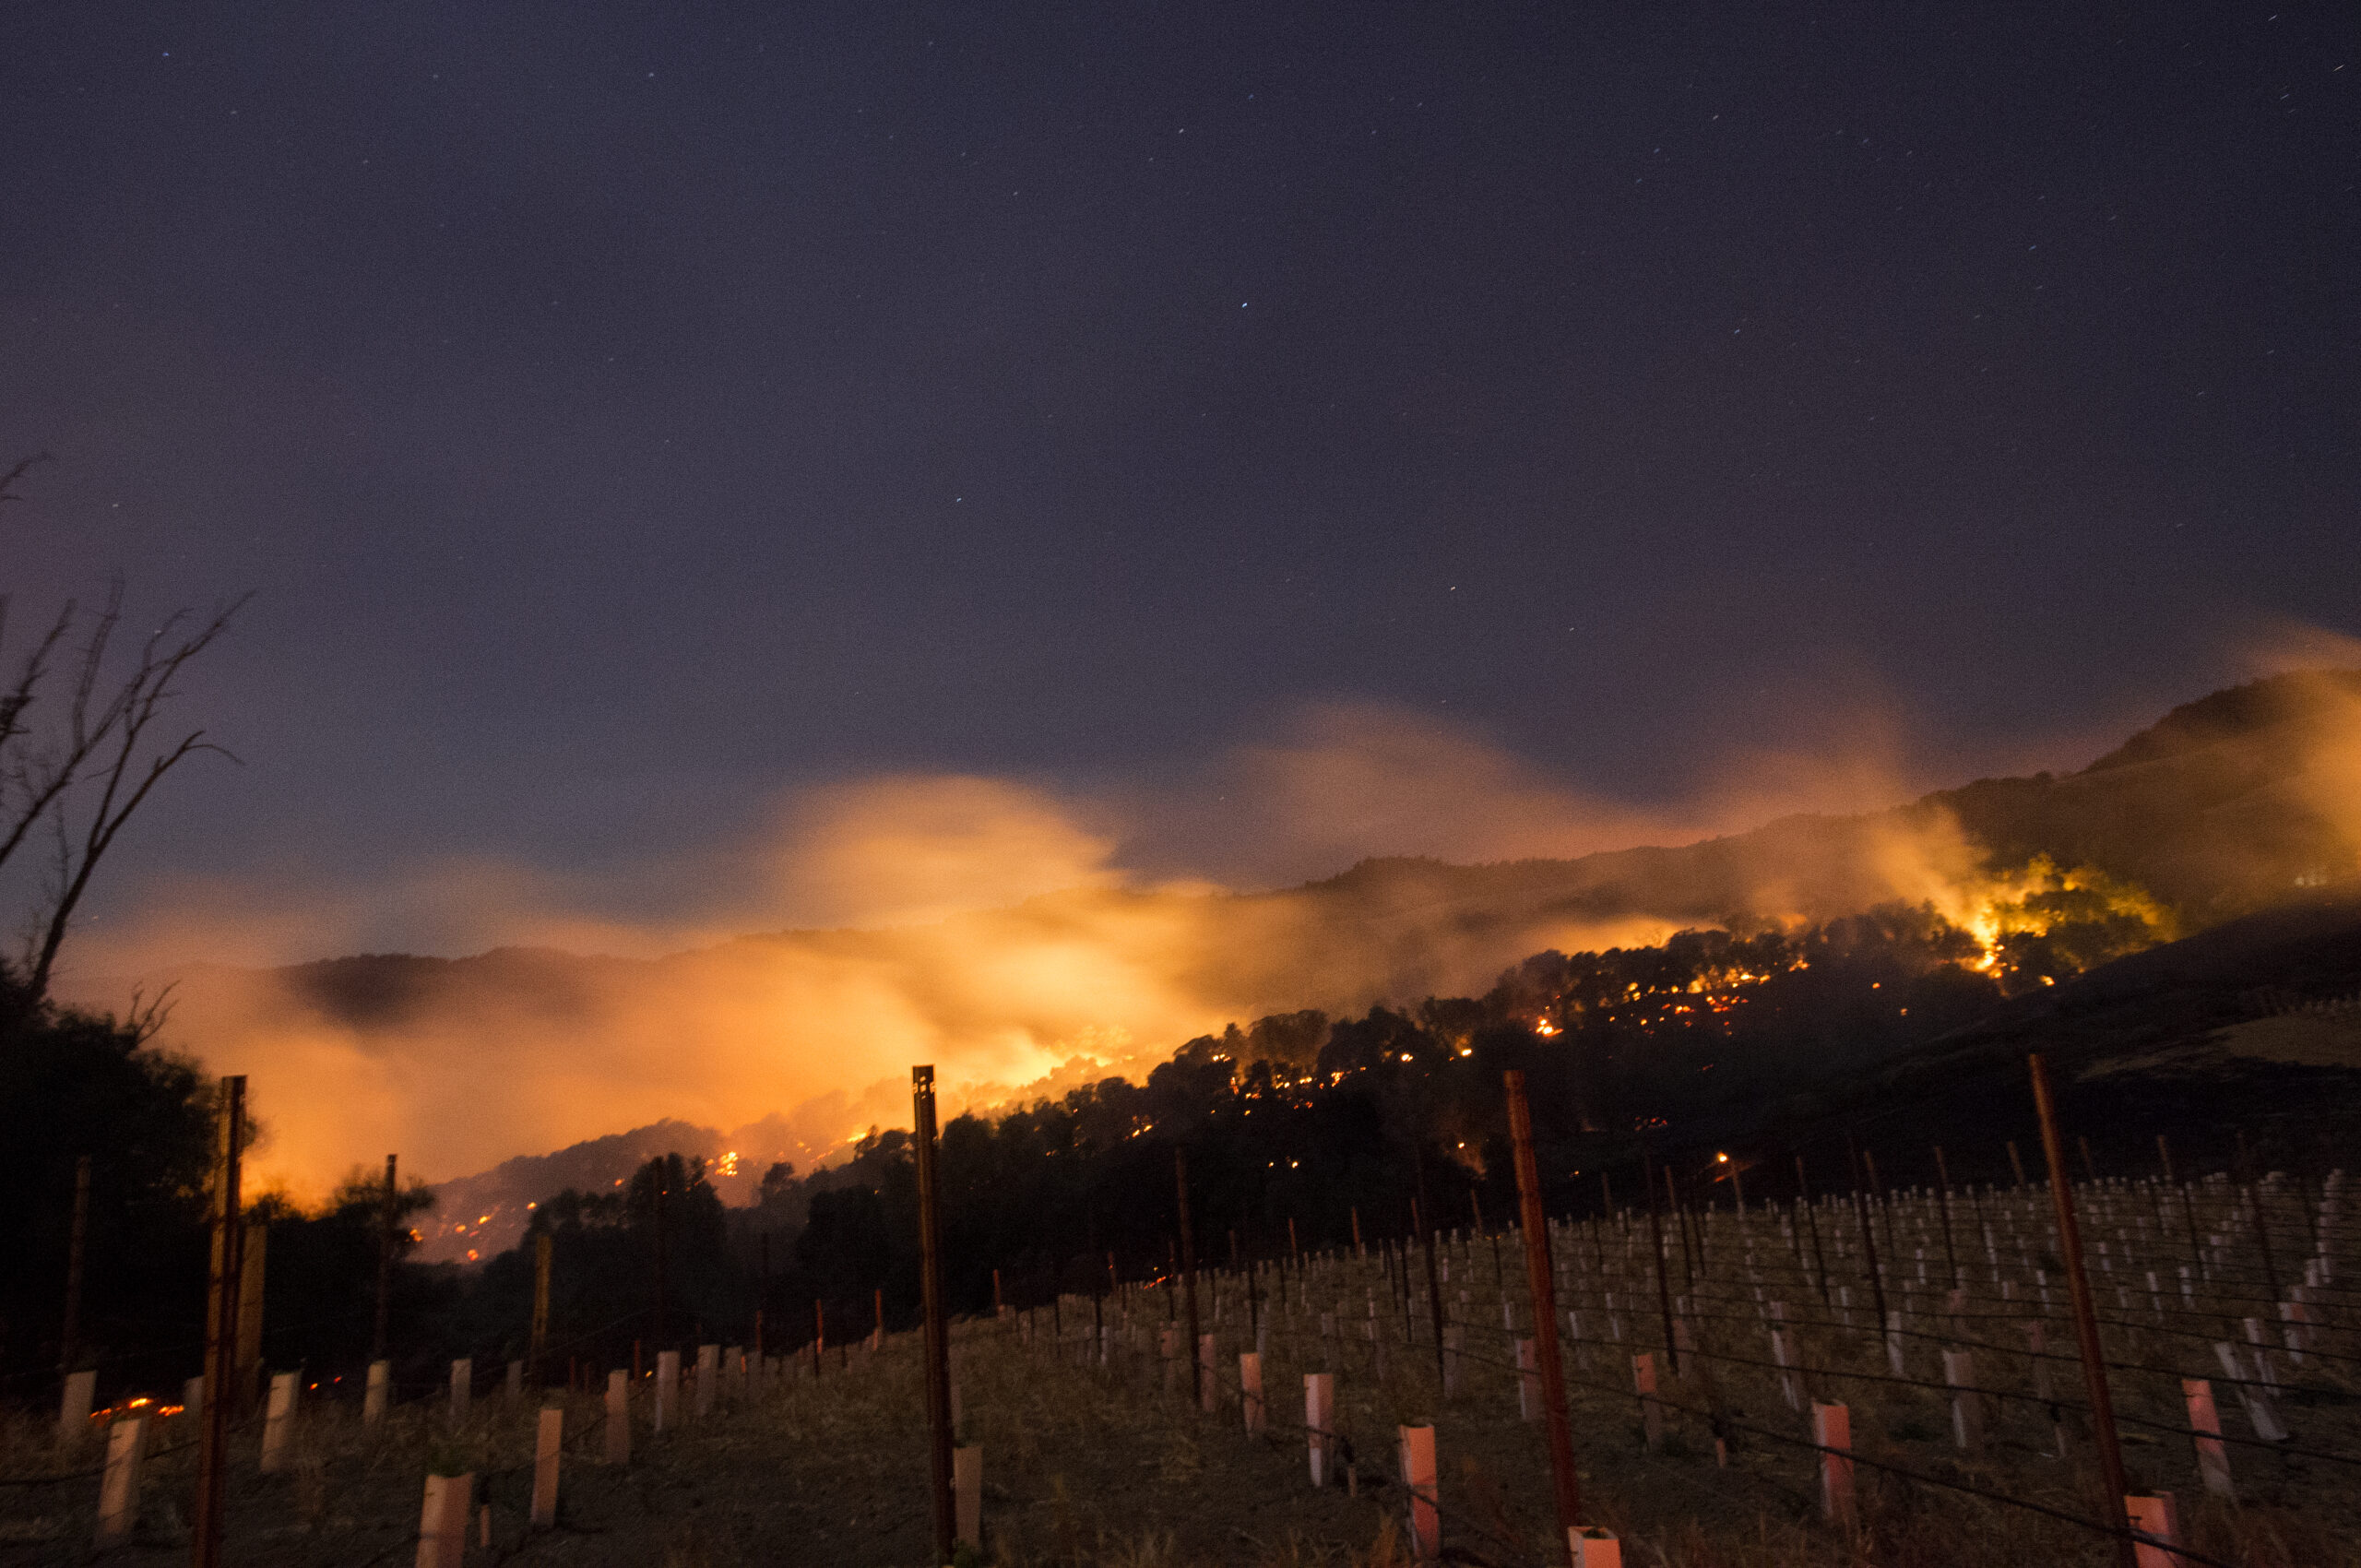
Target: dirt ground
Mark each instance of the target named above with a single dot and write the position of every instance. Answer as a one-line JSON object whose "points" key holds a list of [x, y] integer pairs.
{"points": [[1086, 1464]]}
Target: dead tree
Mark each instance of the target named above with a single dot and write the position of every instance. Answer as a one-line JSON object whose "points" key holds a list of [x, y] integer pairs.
{"points": [[80, 749]]}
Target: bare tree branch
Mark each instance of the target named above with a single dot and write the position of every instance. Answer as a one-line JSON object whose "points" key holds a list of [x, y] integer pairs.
{"points": [[38, 779], [148, 1014], [24, 466], [97, 745], [123, 784]]}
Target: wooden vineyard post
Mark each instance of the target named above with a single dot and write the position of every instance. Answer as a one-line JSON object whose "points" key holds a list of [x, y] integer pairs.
{"points": [[74, 1403], [668, 1391], [1249, 1388], [1943, 1199], [2086, 1325], [1434, 1289], [2188, 1206], [253, 1252], [1543, 1283], [1189, 1270], [1967, 1405], [618, 1417], [1812, 1219], [1868, 1236], [220, 1331], [1657, 1249], [1644, 1384], [938, 1343], [68, 1347], [708, 1379], [968, 1491], [664, 1255], [389, 1216], [1681, 1227], [538, 1342], [1254, 1303], [380, 1386]]}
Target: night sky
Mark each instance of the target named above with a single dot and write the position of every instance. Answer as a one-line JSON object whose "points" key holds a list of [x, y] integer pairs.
{"points": [[624, 415]]}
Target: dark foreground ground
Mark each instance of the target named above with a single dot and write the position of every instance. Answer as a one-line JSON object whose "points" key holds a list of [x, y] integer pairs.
{"points": [[1086, 1464]]}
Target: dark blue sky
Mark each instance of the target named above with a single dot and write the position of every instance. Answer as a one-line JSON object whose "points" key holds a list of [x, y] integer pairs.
{"points": [[622, 413]]}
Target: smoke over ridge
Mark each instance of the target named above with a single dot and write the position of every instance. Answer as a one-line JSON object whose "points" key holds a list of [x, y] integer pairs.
{"points": [[1017, 936]]}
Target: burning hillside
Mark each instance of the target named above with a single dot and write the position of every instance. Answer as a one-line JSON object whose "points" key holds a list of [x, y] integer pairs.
{"points": [[2226, 806]]}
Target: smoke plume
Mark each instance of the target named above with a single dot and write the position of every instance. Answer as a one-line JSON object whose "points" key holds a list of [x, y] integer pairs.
{"points": [[1009, 935]]}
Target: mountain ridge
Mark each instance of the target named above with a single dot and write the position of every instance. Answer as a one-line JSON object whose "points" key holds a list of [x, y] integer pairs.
{"points": [[2225, 806]]}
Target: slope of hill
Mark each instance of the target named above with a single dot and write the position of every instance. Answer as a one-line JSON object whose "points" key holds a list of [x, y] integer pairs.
{"points": [[2223, 807], [2244, 1035]]}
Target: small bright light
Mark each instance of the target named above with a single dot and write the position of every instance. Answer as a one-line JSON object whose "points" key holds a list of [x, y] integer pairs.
{"points": [[1723, 1158]]}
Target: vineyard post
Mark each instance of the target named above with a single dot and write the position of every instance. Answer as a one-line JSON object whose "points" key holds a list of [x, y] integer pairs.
{"points": [[1188, 1272], [663, 1336], [1811, 1218], [538, 1342], [1885, 1202], [938, 1342], [1868, 1237], [1543, 1281], [68, 1350], [253, 1255], [618, 1417], [1656, 1248], [1254, 1304], [1943, 1198], [220, 1331], [2262, 1222], [2086, 1323], [2188, 1205], [1680, 1219]]}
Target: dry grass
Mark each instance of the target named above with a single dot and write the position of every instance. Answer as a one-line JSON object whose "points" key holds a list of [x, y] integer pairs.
{"points": [[1100, 1467]]}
